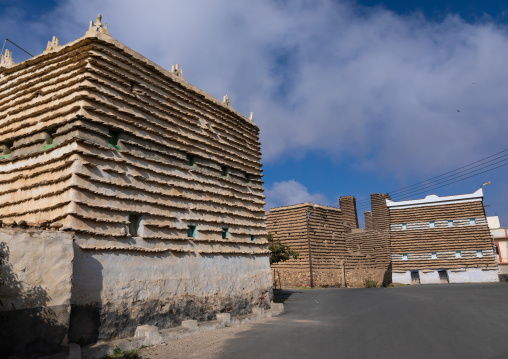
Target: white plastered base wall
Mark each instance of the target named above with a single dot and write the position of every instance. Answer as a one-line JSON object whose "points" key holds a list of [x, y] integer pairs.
{"points": [[466, 275]]}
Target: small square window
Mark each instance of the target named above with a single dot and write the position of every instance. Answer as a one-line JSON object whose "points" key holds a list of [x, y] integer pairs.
{"points": [[450, 223], [224, 171], [479, 253], [252, 238], [49, 139], [404, 226], [472, 221], [192, 231], [458, 254], [434, 255], [432, 224], [247, 177], [113, 140], [191, 160], [225, 233], [6, 150], [134, 223], [404, 257]]}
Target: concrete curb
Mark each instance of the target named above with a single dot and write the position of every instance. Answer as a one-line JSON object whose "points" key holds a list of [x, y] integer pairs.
{"points": [[147, 335]]}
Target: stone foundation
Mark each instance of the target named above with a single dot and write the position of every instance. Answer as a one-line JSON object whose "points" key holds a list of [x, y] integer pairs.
{"points": [[331, 277], [161, 290]]}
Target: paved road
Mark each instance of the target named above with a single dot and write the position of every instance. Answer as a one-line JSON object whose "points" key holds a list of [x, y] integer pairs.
{"points": [[428, 321]]}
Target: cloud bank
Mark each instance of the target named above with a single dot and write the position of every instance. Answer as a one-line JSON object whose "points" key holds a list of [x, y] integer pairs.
{"points": [[397, 94], [290, 192]]}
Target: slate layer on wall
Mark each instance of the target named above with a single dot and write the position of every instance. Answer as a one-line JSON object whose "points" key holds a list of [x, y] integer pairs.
{"points": [[95, 87], [335, 250], [420, 243], [99, 140]]}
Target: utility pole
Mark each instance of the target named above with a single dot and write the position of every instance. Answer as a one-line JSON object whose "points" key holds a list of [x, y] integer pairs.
{"points": [[308, 214]]}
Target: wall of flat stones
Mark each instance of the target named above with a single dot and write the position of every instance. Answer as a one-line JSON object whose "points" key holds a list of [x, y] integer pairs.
{"points": [[87, 94], [36, 293], [334, 247], [160, 289]]}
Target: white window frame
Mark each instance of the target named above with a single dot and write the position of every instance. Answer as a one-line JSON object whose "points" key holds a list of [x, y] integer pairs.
{"points": [[433, 255], [479, 253], [404, 256], [458, 254], [432, 224], [404, 226], [472, 221], [450, 223]]}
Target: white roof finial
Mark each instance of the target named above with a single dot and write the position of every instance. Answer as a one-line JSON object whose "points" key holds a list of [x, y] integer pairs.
{"points": [[226, 100], [54, 44], [97, 26], [7, 59]]}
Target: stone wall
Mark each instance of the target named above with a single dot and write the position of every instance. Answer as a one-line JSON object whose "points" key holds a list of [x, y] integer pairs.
{"points": [[159, 182], [336, 249], [36, 293], [160, 289]]}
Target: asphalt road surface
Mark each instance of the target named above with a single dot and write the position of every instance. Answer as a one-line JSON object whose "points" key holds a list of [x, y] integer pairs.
{"points": [[426, 321]]}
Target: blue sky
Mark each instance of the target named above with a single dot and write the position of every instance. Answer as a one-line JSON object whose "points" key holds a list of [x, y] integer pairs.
{"points": [[352, 97]]}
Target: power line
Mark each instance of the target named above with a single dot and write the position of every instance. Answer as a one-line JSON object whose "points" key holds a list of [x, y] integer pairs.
{"points": [[454, 176], [3, 48]]}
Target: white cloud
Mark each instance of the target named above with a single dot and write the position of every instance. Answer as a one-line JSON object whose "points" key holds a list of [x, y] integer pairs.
{"points": [[325, 75], [290, 192]]}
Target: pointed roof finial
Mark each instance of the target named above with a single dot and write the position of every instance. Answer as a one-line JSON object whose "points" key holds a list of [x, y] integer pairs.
{"points": [[54, 44], [97, 26], [226, 100], [6, 60], [175, 69], [251, 117]]}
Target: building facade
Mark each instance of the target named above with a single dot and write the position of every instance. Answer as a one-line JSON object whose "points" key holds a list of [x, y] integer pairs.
{"points": [[158, 182], [333, 251], [441, 240], [500, 236]]}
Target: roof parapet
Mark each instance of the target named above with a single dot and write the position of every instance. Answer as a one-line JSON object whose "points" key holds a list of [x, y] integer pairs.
{"points": [[433, 199]]}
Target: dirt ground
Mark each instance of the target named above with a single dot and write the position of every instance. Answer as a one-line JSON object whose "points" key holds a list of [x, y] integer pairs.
{"points": [[206, 345]]}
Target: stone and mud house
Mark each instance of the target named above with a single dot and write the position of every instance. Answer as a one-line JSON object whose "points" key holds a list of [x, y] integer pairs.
{"points": [[128, 197], [333, 251], [441, 240], [430, 240]]}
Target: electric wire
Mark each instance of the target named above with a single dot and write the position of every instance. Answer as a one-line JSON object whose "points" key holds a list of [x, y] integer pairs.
{"points": [[457, 175]]}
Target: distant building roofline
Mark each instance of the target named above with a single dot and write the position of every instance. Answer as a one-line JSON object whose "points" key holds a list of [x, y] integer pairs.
{"points": [[434, 200]]}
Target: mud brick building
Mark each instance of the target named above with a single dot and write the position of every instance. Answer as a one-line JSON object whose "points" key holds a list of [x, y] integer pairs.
{"points": [[441, 240], [333, 251], [156, 184]]}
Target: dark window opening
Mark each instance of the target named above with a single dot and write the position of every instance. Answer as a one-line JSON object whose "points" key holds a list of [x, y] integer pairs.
{"points": [[224, 171], [49, 136], [252, 238], [191, 160], [415, 277], [6, 149], [443, 276], [132, 86], [192, 231], [49, 139], [247, 177], [134, 222], [113, 139], [225, 233]]}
